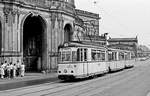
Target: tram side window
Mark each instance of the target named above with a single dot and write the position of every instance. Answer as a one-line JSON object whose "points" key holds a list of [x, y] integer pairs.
{"points": [[85, 54], [81, 54], [114, 56], [78, 55], [98, 55], [133, 55], [110, 56], [93, 54], [103, 56], [121, 56], [127, 56]]}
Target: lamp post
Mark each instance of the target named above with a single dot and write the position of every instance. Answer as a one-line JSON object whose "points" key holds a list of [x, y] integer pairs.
{"points": [[105, 36]]}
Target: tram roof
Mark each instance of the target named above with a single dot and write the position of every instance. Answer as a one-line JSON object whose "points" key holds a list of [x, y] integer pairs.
{"points": [[82, 44], [111, 49]]}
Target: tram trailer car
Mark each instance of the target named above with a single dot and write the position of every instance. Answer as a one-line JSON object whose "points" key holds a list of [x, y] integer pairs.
{"points": [[119, 59], [129, 60], [81, 61]]}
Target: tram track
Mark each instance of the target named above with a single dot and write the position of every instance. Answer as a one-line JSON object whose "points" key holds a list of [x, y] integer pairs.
{"points": [[72, 85]]}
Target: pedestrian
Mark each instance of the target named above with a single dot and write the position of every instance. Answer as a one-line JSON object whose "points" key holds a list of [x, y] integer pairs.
{"points": [[2, 73], [8, 68], [22, 68], [4, 68], [18, 68], [14, 70], [11, 70], [5, 64]]}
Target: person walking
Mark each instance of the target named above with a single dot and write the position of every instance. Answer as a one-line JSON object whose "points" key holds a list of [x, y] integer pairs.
{"points": [[18, 64], [2, 73], [22, 68], [4, 68], [14, 70], [11, 70], [8, 68]]}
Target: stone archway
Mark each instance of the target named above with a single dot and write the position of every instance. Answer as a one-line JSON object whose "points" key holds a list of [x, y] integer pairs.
{"points": [[34, 42], [68, 33]]}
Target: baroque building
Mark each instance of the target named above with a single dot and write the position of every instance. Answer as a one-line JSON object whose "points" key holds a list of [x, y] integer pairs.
{"points": [[32, 30]]}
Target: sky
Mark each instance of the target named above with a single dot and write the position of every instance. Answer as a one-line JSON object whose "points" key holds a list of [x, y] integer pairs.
{"points": [[121, 18]]}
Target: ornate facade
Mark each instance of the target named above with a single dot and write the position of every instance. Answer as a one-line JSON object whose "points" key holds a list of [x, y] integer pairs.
{"points": [[32, 30]]}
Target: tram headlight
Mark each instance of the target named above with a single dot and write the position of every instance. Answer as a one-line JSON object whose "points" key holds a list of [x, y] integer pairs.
{"points": [[75, 65], [72, 71], [65, 71]]}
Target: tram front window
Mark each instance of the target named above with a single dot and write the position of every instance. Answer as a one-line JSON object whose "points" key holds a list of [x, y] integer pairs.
{"points": [[66, 56], [73, 56]]}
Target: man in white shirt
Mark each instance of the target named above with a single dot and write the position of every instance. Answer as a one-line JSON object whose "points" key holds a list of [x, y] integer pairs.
{"points": [[2, 73], [22, 69], [4, 65], [4, 68], [14, 70]]}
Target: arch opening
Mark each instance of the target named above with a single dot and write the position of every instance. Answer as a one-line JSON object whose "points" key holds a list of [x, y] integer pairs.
{"points": [[68, 33], [33, 42]]}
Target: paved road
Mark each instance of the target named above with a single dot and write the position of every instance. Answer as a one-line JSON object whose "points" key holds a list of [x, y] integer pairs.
{"points": [[129, 82]]}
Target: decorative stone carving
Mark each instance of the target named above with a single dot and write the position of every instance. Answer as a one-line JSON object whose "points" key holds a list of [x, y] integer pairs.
{"points": [[35, 13], [10, 12], [6, 11]]}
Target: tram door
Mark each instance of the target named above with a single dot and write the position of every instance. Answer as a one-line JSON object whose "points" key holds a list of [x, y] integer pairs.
{"points": [[82, 55]]}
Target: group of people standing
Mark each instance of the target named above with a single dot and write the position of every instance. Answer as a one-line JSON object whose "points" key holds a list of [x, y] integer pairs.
{"points": [[10, 70]]}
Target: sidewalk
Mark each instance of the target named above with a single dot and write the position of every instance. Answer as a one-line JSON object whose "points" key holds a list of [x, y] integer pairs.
{"points": [[28, 80]]}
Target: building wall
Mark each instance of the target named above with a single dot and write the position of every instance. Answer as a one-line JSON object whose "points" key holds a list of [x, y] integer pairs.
{"points": [[124, 44], [13, 16], [55, 14], [90, 20]]}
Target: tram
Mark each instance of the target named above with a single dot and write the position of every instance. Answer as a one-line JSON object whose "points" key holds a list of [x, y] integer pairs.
{"points": [[79, 60], [119, 59]]}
